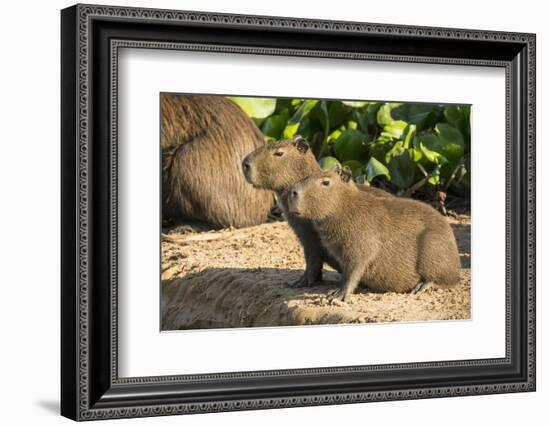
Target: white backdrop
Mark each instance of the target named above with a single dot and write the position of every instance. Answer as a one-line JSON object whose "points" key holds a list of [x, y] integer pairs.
{"points": [[29, 225], [146, 352]]}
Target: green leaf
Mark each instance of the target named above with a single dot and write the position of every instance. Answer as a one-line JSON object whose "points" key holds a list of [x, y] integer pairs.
{"points": [[274, 125], [351, 146], [305, 128], [464, 178], [338, 113], [409, 134], [361, 117], [449, 134], [291, 130], [328, 163], [459, 117], [416, 114], [451, 140], [372, 112], [376, 168], [435, 176], [394, 129], [334, 135], [379, 149], [432, 156], [453, 151], [384, 115], [453, 115], [320, 126], [396, 150], [402, 170], [416, 154], [318, 118], [435, 148], [430, 140], [282, 105], [355, 104], [255, 107], [324, 118], [303, 110]]}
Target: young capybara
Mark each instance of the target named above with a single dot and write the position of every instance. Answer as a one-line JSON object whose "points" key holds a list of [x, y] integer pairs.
{"points": [[203, 139], [393, 245], [277, 166]]}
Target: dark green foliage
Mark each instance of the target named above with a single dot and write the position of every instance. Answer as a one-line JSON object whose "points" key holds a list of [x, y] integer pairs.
{"points": [[402, 146]]}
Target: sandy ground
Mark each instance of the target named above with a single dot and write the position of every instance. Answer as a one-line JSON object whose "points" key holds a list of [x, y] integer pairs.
{"points": [[238, 278]]}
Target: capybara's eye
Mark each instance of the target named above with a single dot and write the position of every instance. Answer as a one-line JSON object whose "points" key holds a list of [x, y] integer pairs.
{"points": [[279, 153], [325, 182]]}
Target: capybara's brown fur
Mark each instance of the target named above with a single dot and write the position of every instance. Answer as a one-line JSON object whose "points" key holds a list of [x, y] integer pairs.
{"points": [[277, 166], [203, 140], [387, 244]]}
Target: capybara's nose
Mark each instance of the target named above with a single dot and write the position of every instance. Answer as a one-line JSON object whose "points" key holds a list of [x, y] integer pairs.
{"points": [[246, 165], [294, 193]]}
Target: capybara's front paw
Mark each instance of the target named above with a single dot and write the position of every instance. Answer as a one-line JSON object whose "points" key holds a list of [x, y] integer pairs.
{"points": [[300, 282], [305, 281], [421, 287], [338, 297]]}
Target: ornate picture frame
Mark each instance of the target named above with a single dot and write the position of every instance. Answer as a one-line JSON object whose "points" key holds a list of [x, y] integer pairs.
{"points": [[91, 37]]}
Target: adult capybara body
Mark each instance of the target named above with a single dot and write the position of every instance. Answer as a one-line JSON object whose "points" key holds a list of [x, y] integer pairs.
{"points": [[387, 244], [203, 140], [277, 166]]}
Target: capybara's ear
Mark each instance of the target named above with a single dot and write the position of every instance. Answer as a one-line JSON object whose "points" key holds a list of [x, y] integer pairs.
{"points": [[346, 174], [300, 143], [336, 168]]}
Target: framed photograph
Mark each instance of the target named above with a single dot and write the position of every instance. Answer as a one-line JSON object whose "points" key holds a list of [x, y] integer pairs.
{"points": [[263, 212]]}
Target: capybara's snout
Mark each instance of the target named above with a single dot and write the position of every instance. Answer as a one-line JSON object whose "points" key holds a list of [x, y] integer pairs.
{"points": [[293, 200], [247, 167]]}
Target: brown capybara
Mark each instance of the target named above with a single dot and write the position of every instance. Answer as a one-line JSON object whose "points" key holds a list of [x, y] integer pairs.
{"points": [[393, 245], [203, 139], [277, 166]]}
